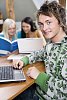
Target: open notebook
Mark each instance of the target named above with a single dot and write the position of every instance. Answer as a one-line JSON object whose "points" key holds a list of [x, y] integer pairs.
{"points": [[9, 74]]}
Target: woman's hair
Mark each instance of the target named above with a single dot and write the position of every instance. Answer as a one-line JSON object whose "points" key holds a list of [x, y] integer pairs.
{"points": [[7, 23], [29, 21], [54, 8]]}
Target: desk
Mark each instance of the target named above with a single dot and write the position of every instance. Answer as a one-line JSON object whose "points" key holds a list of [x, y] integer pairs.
{"points": [[9, 91]]}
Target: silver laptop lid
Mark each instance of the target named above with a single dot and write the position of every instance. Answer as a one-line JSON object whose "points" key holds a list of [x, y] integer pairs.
{"points": [[28, 45]]}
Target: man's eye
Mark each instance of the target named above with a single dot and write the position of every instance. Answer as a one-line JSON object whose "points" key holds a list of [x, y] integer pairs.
{"points": [[48, 23], [40, 23]]}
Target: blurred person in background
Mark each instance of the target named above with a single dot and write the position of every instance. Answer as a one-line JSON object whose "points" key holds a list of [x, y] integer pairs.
{"points": [[9, 30], [29, 30]]}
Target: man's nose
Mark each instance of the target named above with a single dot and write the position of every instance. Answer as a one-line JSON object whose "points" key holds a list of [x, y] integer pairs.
{"points": [[45, 27]]}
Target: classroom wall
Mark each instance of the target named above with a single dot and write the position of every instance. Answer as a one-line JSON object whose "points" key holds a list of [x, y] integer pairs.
{"points": [[3, 8], [22, 9]]}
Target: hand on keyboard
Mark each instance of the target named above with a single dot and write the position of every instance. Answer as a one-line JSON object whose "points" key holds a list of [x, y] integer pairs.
{"points": [[17, 64]]}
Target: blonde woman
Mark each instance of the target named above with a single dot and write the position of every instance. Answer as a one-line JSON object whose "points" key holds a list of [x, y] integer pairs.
{"points": [[9, 29]]}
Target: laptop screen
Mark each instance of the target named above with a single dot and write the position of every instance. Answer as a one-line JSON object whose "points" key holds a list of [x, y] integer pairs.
{"points": [[28, 45]]}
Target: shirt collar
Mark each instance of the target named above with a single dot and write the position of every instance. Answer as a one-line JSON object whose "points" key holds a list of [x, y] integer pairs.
{"points": [[64, 40]]}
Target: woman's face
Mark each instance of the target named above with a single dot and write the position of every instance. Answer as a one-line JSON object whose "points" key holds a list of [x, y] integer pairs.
{"points": [[12, 30], [26, 27]]}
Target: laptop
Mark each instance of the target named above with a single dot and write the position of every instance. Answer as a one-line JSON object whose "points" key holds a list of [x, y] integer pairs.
{"points": [[10, 74], [29, 45]]}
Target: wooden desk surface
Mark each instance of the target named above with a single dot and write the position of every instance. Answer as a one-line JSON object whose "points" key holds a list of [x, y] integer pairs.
{"points": [[9, 91]]}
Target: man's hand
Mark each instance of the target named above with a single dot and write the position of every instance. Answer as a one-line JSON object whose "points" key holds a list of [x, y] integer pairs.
{"points": [[18, 64], [33, 72]]}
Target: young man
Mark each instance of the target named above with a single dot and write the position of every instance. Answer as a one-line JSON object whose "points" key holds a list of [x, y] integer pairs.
{"points": [[52, 84]]}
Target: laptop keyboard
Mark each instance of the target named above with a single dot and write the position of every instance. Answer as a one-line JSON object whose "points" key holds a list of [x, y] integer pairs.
{"points": [[6, 72]]}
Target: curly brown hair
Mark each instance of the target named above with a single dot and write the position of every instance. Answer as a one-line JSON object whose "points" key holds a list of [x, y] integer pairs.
{"points": [[54, 8]]}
